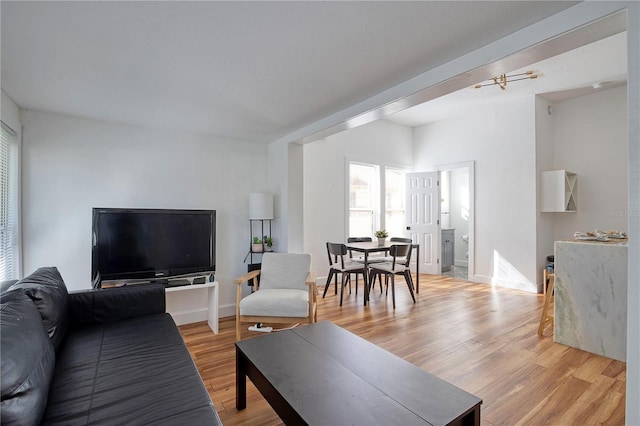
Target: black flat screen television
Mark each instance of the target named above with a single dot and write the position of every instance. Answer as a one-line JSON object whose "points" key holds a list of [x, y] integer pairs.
{"points": [[140, 244]]}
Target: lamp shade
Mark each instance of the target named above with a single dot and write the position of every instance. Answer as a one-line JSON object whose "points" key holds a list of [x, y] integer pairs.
{"points": [[260, 205]]}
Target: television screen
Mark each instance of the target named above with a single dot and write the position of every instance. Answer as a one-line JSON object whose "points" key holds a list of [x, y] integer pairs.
{"points": [[130, 244]]}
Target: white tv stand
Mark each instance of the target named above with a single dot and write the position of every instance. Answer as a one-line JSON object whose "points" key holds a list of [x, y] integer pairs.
{"points": [[185, 304]]}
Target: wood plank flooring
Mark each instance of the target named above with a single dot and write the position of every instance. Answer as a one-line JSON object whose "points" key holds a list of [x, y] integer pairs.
{"points": [[481, 339]]}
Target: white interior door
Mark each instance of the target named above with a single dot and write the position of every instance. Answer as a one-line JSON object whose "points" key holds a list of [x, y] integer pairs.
{"points": [[423, 218]]}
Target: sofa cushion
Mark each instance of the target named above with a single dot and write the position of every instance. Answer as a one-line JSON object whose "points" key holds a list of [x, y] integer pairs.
{"points": [[49, 293], [276, 303], [104, 305], [27, 360], [136, 371], [4, 285]]}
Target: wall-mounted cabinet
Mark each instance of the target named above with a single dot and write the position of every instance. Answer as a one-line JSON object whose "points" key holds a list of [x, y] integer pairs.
{"points": [[558, 191]]}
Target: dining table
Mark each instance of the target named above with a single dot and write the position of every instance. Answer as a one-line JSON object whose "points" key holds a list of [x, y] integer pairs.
{"points": [[368, 247]]}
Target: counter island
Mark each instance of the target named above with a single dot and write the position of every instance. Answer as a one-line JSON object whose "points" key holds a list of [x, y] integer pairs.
{"points": [[591, 296]]}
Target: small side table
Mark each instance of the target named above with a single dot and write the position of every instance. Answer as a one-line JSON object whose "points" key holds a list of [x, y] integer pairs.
{"points": [[546, 280], [546, 317]]}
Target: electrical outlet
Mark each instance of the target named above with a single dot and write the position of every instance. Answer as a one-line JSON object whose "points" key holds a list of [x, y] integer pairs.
{"points": [[261, 329]]}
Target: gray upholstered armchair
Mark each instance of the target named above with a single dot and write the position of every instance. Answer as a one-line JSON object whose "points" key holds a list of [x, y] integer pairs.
{"points": [[286, 293]]}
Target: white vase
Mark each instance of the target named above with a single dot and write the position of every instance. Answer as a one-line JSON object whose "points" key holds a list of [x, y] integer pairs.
{"points": [[256, 248], [381, 240]]}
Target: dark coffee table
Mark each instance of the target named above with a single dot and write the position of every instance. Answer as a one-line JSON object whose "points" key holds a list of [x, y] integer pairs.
{"points": [[321, 374]]}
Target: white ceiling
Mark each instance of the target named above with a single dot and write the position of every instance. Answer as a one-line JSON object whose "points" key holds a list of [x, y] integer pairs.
{"points": [[561, 77], [247, 70]]}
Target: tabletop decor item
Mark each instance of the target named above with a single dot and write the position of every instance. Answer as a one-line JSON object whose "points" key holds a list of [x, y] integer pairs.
{"points": [[381, 235], [268, 243], [256, 246]]}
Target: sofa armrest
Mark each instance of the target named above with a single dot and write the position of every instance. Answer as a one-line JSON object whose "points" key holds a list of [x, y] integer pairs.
{"points": [[101, 306], [4, 285]]}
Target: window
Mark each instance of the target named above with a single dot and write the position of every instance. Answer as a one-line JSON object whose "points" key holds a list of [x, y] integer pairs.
{"points": [[374, 189], [394, 184], [9, 205], [363, 199]]}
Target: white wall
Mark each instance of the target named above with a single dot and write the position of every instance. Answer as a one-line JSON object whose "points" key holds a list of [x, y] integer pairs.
{"points": [[501, 141], [588, 136], [325, 179], [585, 135], [544, 161], [590, 139], [10, 113], [72, 164], [633, 291]]}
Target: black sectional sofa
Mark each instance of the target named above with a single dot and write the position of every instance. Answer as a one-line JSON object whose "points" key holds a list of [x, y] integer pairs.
{"points": [[105, 356]]}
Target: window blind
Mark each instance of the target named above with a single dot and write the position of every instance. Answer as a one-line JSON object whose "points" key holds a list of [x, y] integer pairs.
{"points": [[9, 207]]}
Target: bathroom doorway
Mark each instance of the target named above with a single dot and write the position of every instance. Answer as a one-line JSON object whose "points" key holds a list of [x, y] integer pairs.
{"points": [[456, 219]]}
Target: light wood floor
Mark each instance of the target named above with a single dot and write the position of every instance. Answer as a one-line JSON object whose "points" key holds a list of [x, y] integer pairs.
{"points": [[482, 340]]}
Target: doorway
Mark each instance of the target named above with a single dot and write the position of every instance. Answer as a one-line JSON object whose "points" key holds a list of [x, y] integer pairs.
{"points": [[457, 219]]}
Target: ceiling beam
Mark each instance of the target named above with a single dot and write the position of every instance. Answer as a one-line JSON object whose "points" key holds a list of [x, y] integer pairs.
{"points": [[574, 27]]}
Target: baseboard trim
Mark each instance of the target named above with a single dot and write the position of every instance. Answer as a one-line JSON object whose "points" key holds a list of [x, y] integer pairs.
{"points": [[228, 310], [188, 317]]}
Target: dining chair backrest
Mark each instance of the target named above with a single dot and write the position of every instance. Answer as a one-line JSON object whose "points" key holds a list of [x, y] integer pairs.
{"points": [[401, 240], [359, 239], [335, 251], [401, 251], [329, 254]]}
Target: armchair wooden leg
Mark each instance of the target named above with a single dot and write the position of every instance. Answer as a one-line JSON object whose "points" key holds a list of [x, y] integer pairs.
{"points": [[237, 328]]}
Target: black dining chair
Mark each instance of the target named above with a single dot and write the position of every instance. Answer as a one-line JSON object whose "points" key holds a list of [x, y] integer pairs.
{"points": [[337, 265], [360, 258], [400, 265], [388, 258]]}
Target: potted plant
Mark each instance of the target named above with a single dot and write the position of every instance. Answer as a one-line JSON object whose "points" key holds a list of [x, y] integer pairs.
{"points": [[268, 242], [256, 246], [381, 235]]}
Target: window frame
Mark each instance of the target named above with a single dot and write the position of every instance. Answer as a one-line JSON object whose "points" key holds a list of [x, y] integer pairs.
{"points": [[380, 210], [14, 185], [376, 196], [383, 193]]}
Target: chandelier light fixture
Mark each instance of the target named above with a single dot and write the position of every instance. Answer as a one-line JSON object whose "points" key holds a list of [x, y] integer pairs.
{"points": [[502, 80]]}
